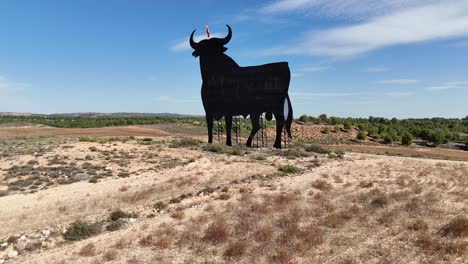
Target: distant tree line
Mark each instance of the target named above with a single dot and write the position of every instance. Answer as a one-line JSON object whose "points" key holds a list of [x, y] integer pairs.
{"points": [[96, 121], [434, 130]]}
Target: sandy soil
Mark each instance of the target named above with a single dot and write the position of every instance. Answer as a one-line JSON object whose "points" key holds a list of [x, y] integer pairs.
{"points": [[185, 202], [436, 153]]}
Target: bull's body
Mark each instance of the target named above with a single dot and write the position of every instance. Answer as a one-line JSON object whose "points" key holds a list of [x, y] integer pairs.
{"points": [[230, 90]]}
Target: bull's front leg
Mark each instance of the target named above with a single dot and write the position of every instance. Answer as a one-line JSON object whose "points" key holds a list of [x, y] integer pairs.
{"points": [[209, 122], [228, 120]]}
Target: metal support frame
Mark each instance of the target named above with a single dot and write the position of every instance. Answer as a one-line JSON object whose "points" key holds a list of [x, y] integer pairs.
{"points": [[285, 139], [261, 138]]}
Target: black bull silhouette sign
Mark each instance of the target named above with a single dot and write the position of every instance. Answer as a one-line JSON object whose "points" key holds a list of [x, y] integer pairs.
{"points": [[230, 90]]}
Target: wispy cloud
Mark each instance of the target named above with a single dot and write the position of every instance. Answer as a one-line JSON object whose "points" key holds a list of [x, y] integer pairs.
{"points": [[169, 99], [399, 81], [330, 94], [357, 9], [368, 102], [447, 86], [314, 68], [182, 44], [416, 22], [7, 86], [399, 94], [377, 69], [461, 44]]}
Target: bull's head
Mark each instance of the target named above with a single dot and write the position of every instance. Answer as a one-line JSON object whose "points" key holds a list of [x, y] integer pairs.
{"points": [[210, 46]]}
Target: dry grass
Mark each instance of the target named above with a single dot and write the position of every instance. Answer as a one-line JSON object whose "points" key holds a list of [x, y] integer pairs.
{"points": [[179, 215], [88, 250], [217, 232], [321, 185], [110, 255], [236, 249], [457, 227]]}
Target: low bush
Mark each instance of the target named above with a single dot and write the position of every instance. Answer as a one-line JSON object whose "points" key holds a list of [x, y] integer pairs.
{"points": [[184, 142], [214, 148], [361, 135], [117, 214], [316, 149], [79, 230], [289, 169]]}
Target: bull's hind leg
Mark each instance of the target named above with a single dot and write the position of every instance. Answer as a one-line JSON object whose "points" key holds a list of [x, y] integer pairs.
{"points": [[280, 122], [209, 122], [255, 119], [228, 120]]}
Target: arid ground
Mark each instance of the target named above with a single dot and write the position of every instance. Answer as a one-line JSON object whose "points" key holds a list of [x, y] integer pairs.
{"points": [[157, 194]]}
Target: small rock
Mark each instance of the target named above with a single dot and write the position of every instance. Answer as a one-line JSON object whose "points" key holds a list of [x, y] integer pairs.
{"points": [[12, 253], [132, 220], [108, 169], [23, 238], [80, 177], [4, 245], [45, 232]]}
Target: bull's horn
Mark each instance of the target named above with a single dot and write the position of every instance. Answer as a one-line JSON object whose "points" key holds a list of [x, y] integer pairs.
{"points": [[193, 44], [225, 40]]}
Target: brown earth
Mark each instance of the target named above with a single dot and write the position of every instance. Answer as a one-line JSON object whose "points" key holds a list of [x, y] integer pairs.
{"points": [[184, 204], [6, 132]]}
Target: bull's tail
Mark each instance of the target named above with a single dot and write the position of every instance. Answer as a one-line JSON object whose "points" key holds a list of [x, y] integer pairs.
{"points": [[289, 116]]}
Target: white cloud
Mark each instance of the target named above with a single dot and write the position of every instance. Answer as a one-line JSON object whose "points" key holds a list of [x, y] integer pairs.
{"points": [[447, 86], [399, 94], [399, 81], [183, 44], [377, 69], [415, 23]]}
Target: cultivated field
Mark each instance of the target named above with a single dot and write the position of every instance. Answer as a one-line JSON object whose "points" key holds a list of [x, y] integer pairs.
{"points": [[157, 194]]}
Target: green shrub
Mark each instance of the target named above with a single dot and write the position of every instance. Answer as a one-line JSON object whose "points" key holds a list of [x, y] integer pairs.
{"points": [[289, 169], [87, 139], [407, 139], [184, 142], [361, 135], [117, 214], [347, 125], [316, 149], [325, 130], [336, 129], [237, 151], [388, 139], [80, 230], [213, 148]]}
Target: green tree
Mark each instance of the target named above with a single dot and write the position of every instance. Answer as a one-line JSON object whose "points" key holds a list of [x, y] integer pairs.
{"points": [[304, 118], [388, 139], [407, 139]]}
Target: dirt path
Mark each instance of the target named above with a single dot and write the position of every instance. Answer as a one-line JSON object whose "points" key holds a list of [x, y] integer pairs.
{"points": [[6, 132], [436, 153]]}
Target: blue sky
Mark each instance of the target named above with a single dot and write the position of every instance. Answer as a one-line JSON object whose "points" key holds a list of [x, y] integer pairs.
{"points": [[395, 58]]}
